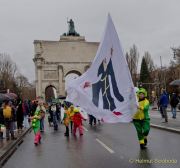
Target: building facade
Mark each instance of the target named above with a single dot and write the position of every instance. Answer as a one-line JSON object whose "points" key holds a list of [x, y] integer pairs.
{"points": [[54, 60]]}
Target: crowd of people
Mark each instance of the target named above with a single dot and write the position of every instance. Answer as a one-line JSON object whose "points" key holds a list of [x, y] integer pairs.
{"points": [[72, 118], [18, 115], [165, 100], [14, 115]]}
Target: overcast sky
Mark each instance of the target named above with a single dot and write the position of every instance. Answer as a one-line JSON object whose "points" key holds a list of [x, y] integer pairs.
{"points": [[153, 25]]}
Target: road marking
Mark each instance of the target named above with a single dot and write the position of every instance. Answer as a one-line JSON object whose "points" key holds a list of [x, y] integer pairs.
{"points": [[85, 129], [105, 146]]}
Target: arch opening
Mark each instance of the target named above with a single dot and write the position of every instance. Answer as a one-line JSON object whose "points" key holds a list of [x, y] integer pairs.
{"points": [[71, 75], [50, 93]]}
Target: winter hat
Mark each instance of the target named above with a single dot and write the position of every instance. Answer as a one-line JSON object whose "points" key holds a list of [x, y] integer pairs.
{"points": [[142, 90], [76, 110]]}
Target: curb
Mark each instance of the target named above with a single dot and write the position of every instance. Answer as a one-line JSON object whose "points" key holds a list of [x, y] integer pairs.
{"points": [[165, 128], [177, 111], [12, 147]]}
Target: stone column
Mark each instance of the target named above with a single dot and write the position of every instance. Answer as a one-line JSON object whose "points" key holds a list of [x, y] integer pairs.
{"points": [[39, 81], [38, 60], [39, 65], [61, 83]]}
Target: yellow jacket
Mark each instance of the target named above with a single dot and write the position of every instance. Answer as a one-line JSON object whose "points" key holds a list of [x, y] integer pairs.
{"points": [[142, 112], [66, 118], [71, 114]]}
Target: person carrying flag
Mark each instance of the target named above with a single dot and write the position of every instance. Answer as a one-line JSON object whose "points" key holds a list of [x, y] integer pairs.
{"points": [[141, 118]]}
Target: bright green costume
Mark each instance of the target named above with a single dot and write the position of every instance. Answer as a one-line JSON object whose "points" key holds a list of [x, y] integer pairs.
{"points": [[36, 127], [36, 122], [141, 118]]}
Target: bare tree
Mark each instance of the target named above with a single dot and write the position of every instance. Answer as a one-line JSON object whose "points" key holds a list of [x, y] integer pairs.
{"points": [[176, 52], [173, 72], [22, 81], [174, 68], [25, 89], [8, 70], [163, 76], [11, 79], [132, 59]]}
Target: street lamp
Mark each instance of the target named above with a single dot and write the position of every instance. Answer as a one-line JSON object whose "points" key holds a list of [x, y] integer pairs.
{"points": [[163, 73], [175, 51]]}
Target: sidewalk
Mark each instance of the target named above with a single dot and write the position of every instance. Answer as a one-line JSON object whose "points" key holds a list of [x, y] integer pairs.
{"points": [[8, 147], [172, 125], [168, 109]]}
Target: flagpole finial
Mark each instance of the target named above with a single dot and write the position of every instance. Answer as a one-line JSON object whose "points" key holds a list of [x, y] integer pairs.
{"points": [[112, 51], [109, 15]]}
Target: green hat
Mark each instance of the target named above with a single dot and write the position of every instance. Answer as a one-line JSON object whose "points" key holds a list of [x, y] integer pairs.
{"points": [[142, 90]]}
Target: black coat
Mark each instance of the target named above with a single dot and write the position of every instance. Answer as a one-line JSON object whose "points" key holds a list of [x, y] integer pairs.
{"points": [[174, 100], [1, 116], [19, 113]]}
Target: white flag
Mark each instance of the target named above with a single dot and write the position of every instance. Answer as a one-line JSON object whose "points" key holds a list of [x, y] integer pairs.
{"points": [[106, 89]]}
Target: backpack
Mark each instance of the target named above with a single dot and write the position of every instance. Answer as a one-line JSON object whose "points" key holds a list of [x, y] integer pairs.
{"points": [[7, 112]]}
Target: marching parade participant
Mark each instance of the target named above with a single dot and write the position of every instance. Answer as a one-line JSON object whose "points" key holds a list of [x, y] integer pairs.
{"points": [[141, 118], [53, 111], [71, 110], [38, 122], [36, 126], [66, 119], [77, 122]]}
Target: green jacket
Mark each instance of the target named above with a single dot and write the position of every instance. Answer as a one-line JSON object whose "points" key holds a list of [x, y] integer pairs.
{"points": [[36, 121]]}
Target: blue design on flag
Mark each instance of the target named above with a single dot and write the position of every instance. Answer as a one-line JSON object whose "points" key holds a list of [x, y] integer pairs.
{"points": [[103, 85]]}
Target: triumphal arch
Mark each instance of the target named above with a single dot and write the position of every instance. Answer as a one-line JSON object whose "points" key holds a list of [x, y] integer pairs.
{"points": [[54, 60]]}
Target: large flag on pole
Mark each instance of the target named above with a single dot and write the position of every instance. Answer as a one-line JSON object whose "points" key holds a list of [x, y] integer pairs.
{"points": [[106, 89]]}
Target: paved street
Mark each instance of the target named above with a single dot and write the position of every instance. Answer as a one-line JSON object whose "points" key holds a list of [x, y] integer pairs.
{"points": [[103, 146]]}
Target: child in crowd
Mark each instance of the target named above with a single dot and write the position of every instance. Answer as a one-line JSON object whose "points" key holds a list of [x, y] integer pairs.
{"points": [[66, 120], [77, 121], [36, 126], [71, 110]]}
